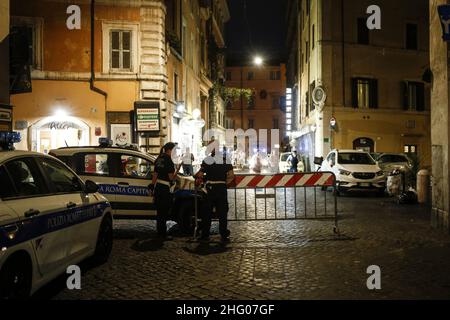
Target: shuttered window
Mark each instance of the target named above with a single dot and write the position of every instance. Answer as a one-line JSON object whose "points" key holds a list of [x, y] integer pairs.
{"points": [[413, 96], [364, 93], [120, 50]]}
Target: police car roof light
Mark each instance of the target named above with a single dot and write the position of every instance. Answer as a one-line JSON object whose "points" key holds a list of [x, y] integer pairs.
{"points": [[105, 142], [7, 139]]}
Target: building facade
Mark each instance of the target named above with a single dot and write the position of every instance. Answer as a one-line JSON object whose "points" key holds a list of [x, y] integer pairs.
{"points": [[356, 88], [266, 109], [4, 67], [440, 120], [88, 82]]}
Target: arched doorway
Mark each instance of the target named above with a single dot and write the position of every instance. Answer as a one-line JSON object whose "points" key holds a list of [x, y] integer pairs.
{"points": [[56, 132], [364, 144]]}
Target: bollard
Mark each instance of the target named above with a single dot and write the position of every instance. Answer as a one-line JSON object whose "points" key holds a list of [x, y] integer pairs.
{"points": [[423, 183]]}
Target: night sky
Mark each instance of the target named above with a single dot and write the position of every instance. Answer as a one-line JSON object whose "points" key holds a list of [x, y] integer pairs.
{"points": [[257, 27]]}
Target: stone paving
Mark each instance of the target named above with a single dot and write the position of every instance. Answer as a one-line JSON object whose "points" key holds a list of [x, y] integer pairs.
{"points": [[299, 259]]}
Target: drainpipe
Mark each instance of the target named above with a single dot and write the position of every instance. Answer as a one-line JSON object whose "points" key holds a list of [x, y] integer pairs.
{"points": [[92, 78]]}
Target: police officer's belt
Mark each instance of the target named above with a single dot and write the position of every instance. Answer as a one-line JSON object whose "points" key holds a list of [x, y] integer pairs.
{"points": [[166, 183], [216, 182]]}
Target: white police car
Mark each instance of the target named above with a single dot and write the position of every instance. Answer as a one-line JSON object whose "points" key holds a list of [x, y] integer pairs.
{"points": [[123, 176], [49, 219]]}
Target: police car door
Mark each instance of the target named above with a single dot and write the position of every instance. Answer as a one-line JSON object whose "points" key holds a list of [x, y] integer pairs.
{"points": [[133, 198], [41, 214], [82, 216], [97, 166], [8, 217]]}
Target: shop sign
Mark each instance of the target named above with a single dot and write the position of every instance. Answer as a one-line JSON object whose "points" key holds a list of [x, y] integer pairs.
{"points": [[147, 116]]}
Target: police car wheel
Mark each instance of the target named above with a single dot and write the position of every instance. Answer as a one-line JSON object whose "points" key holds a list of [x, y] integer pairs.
{"points": [[104, 241], [15, 279]]}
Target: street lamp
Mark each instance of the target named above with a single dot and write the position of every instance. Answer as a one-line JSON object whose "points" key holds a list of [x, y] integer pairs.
{"points": [[258, 61]]}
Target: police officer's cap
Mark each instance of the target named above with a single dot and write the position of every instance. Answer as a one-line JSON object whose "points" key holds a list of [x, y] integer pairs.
{"points": [[169, 146]]}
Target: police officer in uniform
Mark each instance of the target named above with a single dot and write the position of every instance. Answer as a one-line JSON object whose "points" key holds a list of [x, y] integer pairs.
{"points": [[217, 175], [165, 173]]}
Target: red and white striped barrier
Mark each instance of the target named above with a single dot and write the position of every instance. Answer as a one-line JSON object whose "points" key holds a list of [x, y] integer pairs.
{"points": [[315, 179]]}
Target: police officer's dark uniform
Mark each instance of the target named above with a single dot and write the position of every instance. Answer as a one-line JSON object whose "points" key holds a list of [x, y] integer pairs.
{"points": [[215, 175], [164, 166]]}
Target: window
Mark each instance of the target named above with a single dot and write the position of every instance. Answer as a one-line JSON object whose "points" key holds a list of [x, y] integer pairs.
{"points": [[26, 179], [306, 52], [307, 103], [275, 123], [228, 76], [411, 36], [120, 49], [355, 158], [393, 158], [184, 39], [364, 93], [6, 187], [410, 148], [313, 37], [275, 75], [96, 164], [135, 167], [26, 41], [250, 75], [363, 31], [62, 179], [414, 96], [175, 87], [312, 86], [251, 124]]}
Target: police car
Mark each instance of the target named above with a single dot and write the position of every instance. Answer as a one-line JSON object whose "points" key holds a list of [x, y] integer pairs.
{"points": [[49, 219], [123, 175]]}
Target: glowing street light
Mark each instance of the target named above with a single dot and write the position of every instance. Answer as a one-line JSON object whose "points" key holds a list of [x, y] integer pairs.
{"points": [[258, 61]]}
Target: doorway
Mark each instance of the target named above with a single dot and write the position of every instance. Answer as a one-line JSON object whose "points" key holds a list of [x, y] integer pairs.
{"points": [[56, 132], [364, 144]]}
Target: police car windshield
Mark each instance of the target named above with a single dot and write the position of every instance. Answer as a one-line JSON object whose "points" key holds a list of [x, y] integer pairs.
{"points": [[355, 158], [285, 156]]}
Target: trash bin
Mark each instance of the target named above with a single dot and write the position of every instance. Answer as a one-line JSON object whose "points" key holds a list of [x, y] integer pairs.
{"points": [[423, 183]]}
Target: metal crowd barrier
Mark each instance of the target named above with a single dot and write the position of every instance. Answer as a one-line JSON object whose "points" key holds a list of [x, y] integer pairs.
{"points": [[292, 196]]}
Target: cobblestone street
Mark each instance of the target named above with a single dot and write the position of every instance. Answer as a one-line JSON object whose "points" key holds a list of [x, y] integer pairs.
{"points": [[281, 259]]}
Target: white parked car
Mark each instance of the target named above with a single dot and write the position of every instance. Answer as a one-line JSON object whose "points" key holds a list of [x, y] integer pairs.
{"points": [[49, 219], [355, 171], [389, 162]]}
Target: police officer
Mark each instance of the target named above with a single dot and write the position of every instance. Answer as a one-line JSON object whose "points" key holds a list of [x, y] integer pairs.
{"points": [[293, 162], [165, 173], [218, 173]]}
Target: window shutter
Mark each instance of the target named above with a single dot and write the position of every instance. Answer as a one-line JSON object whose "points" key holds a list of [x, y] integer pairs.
{"points": [[405, 95], [355, 93], [373, 98], [420, 97]]}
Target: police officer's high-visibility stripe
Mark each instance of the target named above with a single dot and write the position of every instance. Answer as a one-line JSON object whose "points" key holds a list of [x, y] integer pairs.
{"points": [[166, 183]]}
